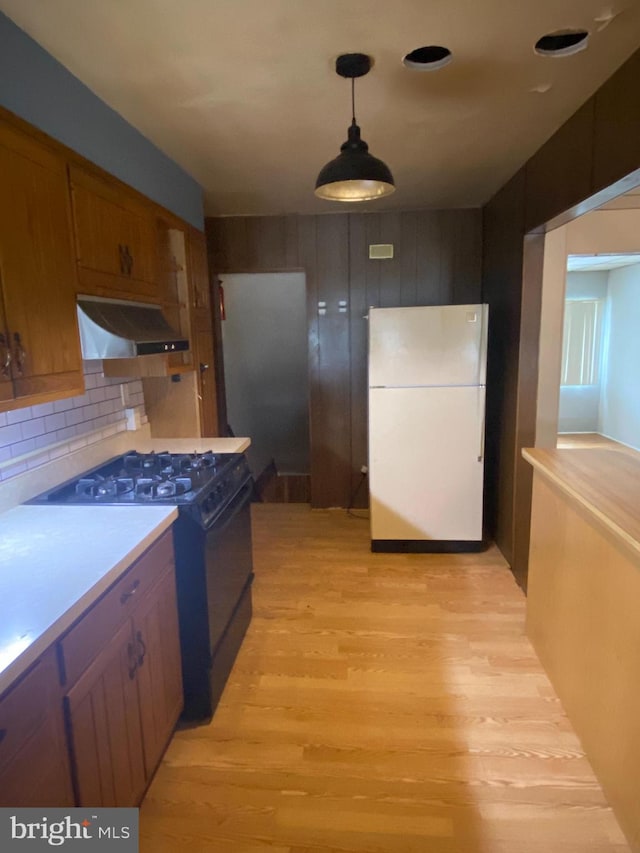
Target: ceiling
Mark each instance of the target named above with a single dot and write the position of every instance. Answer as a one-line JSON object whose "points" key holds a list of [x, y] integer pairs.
{"points": [[590, 263], [243, 93]]}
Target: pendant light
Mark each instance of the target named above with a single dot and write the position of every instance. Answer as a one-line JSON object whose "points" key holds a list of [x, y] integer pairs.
{"points": [[354, 175]]}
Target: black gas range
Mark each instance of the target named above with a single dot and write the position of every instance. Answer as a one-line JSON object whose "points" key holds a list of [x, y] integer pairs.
{"points": [[212, 538]]}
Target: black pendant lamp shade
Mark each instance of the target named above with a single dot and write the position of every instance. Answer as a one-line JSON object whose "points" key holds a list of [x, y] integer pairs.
{"points": [[354, 175]]}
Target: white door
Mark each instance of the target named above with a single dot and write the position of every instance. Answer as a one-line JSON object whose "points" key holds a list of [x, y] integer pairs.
{"points": [[426, 450], [438, 345]]}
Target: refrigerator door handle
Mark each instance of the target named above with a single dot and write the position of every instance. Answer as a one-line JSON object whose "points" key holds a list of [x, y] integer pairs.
{"points": [[483, 394], [482, 355]]}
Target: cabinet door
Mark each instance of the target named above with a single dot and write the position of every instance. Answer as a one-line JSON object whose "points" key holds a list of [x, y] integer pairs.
{"points": [[142, 244], [104, 725], [115, 239], [202, 334], [198, 269], [6, 384], [37, 268], [159, 669], [34, 764], [170, 263], [101, 229], [174, 286], [38, 775]]}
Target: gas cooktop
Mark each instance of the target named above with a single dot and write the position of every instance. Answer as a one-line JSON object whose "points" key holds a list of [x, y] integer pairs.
{"points": [[206, 482]]}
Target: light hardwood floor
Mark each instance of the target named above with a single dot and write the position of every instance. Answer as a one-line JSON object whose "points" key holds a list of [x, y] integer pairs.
{"points": [[380, 704], [579, 440]]}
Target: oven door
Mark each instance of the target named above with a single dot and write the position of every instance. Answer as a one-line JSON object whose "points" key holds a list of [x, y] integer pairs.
{"points": [[228, 562]]}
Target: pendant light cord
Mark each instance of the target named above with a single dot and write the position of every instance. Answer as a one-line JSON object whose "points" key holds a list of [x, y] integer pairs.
{"points": [[353, 100]]}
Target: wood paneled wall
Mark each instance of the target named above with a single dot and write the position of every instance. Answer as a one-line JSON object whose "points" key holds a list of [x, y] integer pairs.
{"points": [[593, 157], [437, 261]]}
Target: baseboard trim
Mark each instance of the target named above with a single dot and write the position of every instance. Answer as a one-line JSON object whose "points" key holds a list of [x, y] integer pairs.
{"points": [[427, 546]]}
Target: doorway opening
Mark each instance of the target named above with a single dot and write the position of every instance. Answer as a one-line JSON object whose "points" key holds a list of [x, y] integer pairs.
{"points": [[588, 391], [265, 354]]}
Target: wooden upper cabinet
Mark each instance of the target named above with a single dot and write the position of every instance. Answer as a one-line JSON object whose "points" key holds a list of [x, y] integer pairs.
{"points": [[202, 342], [40, 347], [198, 269], [202, 332], [116, 239], [6, 382], [176, 287]]}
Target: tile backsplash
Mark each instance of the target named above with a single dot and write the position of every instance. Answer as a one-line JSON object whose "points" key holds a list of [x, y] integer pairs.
{"points": [[36, 434]]}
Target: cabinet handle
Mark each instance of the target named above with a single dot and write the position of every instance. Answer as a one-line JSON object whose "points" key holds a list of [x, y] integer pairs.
{"points": [[3, 734], [141, 644], [203, 367], [133, 665], [19, 353], [129, 593], [128, 260], [6, 356]]}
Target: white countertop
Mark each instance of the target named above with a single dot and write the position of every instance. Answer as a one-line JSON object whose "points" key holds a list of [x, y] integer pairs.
{"points": [[192, 445], [55, 561]]}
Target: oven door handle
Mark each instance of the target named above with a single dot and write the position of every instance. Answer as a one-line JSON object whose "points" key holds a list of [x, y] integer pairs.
{"points": [[220, 522]]}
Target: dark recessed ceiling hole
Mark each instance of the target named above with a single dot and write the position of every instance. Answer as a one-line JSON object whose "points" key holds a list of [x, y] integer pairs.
{"points": [[428, 58], [562, 43]]}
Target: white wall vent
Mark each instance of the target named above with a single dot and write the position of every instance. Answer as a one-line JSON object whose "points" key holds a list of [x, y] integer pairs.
{"points": [[380, 251]]}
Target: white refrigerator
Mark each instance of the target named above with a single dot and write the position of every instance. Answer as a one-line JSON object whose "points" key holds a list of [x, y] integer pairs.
{"points": [[427, 374]]}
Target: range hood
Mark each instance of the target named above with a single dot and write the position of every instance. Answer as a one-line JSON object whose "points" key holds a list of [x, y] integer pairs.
{"points": [[116, 328]]}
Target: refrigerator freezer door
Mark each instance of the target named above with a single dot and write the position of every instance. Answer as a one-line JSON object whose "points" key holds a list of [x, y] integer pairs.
{"points": [[433, 346], [426, 463]]}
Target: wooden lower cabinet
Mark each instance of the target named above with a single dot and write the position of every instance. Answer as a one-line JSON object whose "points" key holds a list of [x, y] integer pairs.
{"points": [[123, 708], [104, 724], [159, 672], [34, 763], [88, 723]]}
